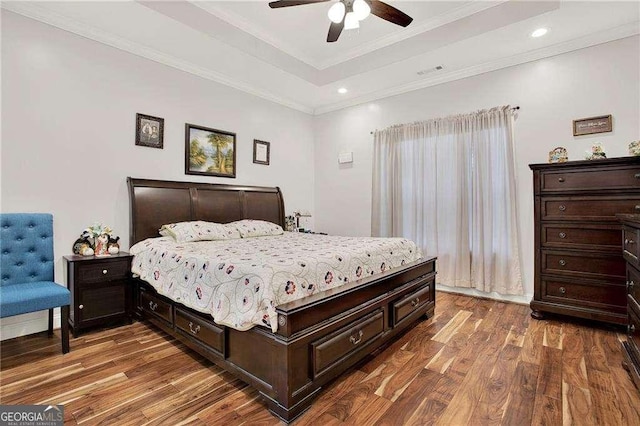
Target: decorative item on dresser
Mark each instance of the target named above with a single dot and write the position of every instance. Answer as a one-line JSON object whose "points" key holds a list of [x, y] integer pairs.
{"points": [[579, 268], [631, 253], [100, 289]]}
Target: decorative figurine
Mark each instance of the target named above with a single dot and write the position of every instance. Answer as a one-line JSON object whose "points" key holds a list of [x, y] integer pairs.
{"points": [[596, 153], [558, 155], [112, 246], [96, 240]]}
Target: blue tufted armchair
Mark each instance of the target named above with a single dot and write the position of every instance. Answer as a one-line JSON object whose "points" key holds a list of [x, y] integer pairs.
{"points": [[26, 269]]}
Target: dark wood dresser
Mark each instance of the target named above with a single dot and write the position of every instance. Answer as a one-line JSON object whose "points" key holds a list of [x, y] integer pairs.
{"points": [[579, 268], [631, 253]]}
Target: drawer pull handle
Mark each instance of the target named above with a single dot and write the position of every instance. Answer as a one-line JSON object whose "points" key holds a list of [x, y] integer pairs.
{"points": [[562, 235], [562, 290], [628, 241], [561, 179], [81, 307], [153, 306], [415, 302], [631, 328], [630, 285], [637, 176], [104, 272], [562, 207], [355, 340], [195, 330], [637, 207], [562, 262]]}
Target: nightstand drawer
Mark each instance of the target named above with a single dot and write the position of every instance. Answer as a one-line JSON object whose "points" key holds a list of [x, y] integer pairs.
{"points": [[96, 272], [207, 333]]}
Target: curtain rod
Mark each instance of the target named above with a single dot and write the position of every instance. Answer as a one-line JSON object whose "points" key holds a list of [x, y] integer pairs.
{"points": [[517, 107]]}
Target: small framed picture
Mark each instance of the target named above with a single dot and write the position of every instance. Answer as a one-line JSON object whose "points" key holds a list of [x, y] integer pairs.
{"points": [[587, 126], [261, 152], [209, 152], [149, 131]]}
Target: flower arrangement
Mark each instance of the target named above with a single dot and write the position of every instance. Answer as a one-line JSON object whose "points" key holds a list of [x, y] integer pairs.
{"points": [[634, 148], [97, 240]]}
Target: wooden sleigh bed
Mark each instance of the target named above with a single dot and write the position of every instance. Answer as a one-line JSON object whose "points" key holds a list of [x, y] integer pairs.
{"points": [[318, 337]]}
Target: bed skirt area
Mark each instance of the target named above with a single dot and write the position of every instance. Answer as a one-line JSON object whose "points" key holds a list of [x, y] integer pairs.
{"points": [[318, 337]]}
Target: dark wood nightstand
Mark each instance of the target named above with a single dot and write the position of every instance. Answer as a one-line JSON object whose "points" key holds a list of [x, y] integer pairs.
{"points": [[100, 289]]}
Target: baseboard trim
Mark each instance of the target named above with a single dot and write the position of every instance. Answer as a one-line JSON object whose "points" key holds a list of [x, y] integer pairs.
{"points": [[520, 300], [22, 325]]}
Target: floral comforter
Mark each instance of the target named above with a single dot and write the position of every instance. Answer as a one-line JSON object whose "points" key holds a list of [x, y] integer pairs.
{"points": [[241, 281]]}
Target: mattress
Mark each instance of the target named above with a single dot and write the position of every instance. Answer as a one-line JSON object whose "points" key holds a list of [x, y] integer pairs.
{"points": [[240, 282]]}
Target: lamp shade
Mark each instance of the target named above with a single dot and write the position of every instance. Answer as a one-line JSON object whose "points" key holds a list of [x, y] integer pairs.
{"points": [[361, 9], [336, 12], [351, 21]]}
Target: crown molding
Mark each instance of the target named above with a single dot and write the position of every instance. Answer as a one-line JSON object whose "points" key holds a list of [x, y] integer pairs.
{"points": [[49, 17], [612, 34]]}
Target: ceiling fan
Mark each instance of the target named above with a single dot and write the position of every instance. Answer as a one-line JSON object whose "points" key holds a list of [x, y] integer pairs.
{"points": [[346, 14]]}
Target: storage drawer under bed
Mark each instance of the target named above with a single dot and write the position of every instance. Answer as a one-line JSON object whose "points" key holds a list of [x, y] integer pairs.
{"points": [[203, 331], [410, 303], [156, 306]]}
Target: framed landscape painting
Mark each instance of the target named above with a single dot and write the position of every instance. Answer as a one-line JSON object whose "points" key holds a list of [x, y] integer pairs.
{"points": [[209, 152]]}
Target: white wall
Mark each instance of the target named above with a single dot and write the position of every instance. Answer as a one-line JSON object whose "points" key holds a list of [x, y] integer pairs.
{"points": [[68, 124], [552, 92]]}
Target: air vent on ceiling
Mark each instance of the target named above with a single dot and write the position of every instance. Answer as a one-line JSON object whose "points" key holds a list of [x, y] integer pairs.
{"points": [[430, 70]]}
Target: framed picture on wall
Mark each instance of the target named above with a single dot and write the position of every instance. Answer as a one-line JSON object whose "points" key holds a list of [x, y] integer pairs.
{"points": [[149, 131], [261, 152], [209, 152], [587, 126]]}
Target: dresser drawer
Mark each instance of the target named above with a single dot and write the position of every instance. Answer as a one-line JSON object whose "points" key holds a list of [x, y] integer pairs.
{"points": [[155, 306], [607, 296], [581, 236], [410, 303], [110, 270], [630, 243], [633, 287], [331, 349], [587, 208], [589, 265], [633, 334], [198, 328], [593, 179]]}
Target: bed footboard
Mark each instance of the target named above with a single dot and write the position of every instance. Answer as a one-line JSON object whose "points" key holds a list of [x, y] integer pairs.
{"points": [[318, 337]]}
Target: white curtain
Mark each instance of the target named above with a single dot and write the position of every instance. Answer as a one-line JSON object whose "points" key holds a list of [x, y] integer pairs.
{"points": [[449, 185]]}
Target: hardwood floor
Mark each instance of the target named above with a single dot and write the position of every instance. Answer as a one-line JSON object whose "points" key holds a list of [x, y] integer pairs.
{"points": [[476, 362]]}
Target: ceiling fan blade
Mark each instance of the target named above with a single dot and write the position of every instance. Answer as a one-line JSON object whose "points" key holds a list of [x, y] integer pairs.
{"points": [[334, 31], [389, 13], [287, 3]]}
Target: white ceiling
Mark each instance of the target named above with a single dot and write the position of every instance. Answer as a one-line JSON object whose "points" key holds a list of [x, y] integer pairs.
{"points": [[282, 55]]}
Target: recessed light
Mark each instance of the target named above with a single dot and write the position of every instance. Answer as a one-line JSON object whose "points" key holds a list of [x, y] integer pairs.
{"points": [[539, 32], [342, 90]]}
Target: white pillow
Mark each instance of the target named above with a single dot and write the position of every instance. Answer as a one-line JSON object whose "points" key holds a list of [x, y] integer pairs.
{"points": [[185, 232], [257, 228]]}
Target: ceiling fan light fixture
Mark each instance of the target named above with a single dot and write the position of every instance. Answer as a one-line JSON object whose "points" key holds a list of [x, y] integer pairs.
{"points": [[336, 12], [361, 9], [351, 21]]}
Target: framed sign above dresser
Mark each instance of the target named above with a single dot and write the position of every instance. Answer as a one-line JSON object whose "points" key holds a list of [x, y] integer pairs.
{"points": [[579, 268]]}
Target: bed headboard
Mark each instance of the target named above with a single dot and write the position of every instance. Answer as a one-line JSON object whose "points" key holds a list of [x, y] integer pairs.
{"points": [[154, 203]]}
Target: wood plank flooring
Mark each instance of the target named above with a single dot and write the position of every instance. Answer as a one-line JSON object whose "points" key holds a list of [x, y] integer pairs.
{"points": [[477, 362]]}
